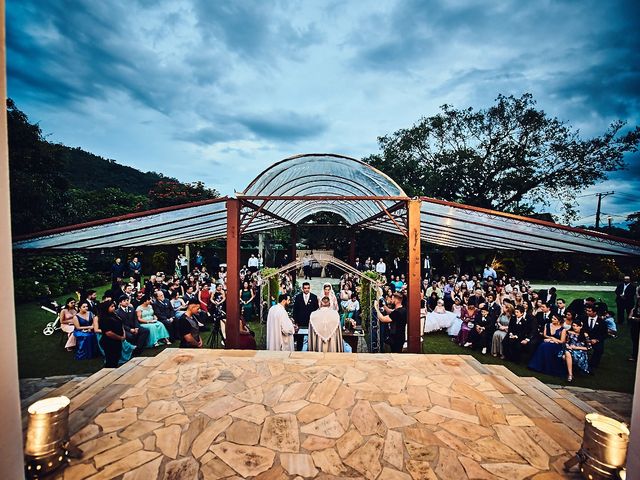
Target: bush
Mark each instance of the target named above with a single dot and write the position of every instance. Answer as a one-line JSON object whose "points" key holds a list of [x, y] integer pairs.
{"points": [[36, 275]]}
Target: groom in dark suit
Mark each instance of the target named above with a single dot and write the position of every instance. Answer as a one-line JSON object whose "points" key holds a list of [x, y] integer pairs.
{"points": [[304, 304]]}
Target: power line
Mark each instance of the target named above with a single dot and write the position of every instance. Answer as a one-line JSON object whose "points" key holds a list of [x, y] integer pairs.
{"points": [[600, 195]]}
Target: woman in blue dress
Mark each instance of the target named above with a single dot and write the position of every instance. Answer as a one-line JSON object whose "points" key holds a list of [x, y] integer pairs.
{"points": [[86, 340], [157, 331], [575, 350], [546, 358]]}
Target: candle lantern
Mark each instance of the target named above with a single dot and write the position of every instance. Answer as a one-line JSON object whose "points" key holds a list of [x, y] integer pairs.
{"points": [[47, 439], [604, 448]]}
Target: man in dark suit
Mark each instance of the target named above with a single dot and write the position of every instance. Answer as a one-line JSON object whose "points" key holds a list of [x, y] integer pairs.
{"points": [[624, 299], [548, 296], [597, 331], [304, 304], [535, 330], [579, 305], [135, 334], [559, 308]]}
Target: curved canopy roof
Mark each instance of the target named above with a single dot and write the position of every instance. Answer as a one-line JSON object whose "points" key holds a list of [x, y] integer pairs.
{"points": [[299, 186], [323, 175]]}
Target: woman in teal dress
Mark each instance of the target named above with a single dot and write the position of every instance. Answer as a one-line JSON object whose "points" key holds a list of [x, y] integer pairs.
{"points": [[86, 340], [157, 331], [246, 301], [575, 350]]}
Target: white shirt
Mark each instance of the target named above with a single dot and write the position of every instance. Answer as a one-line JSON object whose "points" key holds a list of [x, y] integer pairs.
{"points": [[592, 321], [305, 297], [381, 267], [253, 262]]}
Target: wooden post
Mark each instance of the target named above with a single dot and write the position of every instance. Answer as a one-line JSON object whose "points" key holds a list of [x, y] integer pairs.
{"points": [[633, 459], [233, 273], [352, 246], [293, 252], [11, 458], [414, 277]]}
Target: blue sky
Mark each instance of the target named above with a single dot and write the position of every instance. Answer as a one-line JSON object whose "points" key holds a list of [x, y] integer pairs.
{"points": [[217, 91]]}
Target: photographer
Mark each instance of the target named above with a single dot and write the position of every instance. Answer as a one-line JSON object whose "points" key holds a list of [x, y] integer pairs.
{"points": [[397, 317]]}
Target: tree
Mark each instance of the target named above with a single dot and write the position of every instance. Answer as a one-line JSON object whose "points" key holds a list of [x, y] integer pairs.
{"points": [[86, 205], [37, 184], [510, 157], [633, 221], [171, 192]]}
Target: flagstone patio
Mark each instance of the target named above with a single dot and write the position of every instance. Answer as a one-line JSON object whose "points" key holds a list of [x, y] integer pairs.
{"points": [[209, 414]]}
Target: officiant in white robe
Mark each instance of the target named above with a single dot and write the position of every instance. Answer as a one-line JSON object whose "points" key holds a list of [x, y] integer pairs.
{"points": [[325, 334], [280, 328]]}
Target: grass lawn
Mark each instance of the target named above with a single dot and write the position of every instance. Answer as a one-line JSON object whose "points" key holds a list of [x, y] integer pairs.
{"points": [[43, 356], [615, 371]]}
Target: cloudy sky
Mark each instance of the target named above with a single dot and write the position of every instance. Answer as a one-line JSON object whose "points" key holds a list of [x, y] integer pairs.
{"points": [[217, 90]]}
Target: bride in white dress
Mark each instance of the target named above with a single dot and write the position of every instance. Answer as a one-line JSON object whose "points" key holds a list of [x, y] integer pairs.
{"points": [[439, 318]]}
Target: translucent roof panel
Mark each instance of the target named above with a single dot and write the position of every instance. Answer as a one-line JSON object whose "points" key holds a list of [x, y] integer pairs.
{"points": [[299, 186], [321, 176]]}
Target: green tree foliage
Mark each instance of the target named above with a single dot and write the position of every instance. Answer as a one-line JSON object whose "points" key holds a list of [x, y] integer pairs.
{"points": [[510, 157], [86, 205], [54, 185], [170, 192], [633, 222], [37, 185]]}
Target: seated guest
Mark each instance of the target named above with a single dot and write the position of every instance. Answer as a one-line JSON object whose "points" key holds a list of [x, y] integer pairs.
{"points": [[351, 309], [535, 326], [86, 340], [469, 316], [575, 350], [67, 314], [477, 298], [456, 324], [178, 304], [516, 338], [546, 358], [325, 334], [502, 326], [439, 318], [596, 329], [134, 334], [157, 331], [478, 335], [111, 334], [188, 326], [246, 340], [164, 312], [568, 319]]}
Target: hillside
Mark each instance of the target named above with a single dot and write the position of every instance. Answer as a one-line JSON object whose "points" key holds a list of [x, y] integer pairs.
{"points": [[87, 171], [53, 185]]}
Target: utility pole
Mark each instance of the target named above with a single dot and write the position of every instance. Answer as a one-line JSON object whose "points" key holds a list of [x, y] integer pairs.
{"points": [[600, 195]]}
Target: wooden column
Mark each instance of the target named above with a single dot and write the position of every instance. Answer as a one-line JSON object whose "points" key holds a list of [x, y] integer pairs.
{"points": [[352, 246], [233, 273], [413, 277], [11, 459], [293, 252], [633, 459]]}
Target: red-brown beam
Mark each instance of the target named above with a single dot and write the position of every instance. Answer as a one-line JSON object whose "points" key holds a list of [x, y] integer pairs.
{"points": [[413, 300], [233, 273]]}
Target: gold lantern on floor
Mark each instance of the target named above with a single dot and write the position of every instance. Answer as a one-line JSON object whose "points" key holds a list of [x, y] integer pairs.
{"points": [[47, 438], [604, 448]]}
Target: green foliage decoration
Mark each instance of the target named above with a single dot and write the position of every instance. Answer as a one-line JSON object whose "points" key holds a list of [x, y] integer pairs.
{"points": [[367, 296]]}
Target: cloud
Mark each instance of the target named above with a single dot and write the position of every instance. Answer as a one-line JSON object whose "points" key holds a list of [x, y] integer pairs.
{"points": [[285, 126], [162, 85]]}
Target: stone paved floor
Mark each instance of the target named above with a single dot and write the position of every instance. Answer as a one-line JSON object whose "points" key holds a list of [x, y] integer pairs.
{"points": [[235, 414]]}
